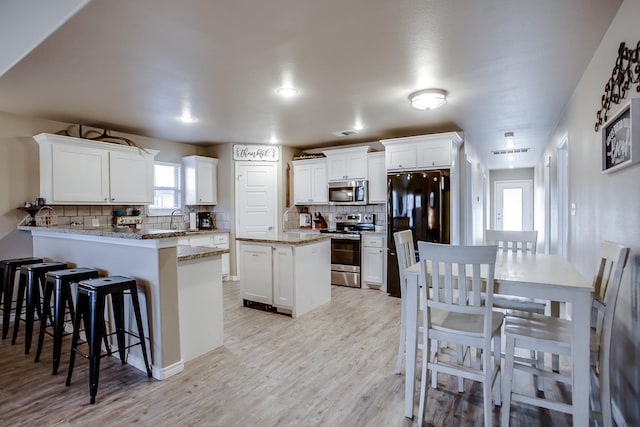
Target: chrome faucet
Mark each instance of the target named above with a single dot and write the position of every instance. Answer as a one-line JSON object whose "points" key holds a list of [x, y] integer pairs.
{"points": [[173, 226]]}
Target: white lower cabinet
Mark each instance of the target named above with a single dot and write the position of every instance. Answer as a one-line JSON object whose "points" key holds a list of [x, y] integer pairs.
{"points": [[373, 260], [267, 274], [283, 277], [293, 279], [215, 240], [256, 281], [221, 241]]}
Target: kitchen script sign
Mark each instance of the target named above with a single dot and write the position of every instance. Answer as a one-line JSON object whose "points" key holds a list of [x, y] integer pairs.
{"points": [[620, 144], [259, 153]]}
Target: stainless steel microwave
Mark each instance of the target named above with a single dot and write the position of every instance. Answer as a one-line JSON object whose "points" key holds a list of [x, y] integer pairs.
{"points": [[348, 192]]}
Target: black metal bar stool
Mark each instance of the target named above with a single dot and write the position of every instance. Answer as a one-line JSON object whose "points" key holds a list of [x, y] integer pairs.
{"points": [[9, 268], [58, 286], [32, 277], [90, 303]]}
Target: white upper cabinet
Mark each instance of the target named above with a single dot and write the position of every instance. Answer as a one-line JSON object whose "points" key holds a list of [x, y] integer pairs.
{"points": [[131, 177], [420, 152], [200, 180], [310, 182], [80, 171], [347, 163], [377, 178]]}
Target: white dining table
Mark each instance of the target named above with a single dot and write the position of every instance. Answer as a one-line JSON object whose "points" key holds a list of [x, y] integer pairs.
{"points": [[547, 277]]}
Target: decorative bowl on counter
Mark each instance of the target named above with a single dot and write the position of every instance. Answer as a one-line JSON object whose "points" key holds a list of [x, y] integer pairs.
{"points": [[118, 212]]}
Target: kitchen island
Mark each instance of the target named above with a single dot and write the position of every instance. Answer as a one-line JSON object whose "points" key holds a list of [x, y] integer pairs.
{"points": [[288, 272], [162, 270]]}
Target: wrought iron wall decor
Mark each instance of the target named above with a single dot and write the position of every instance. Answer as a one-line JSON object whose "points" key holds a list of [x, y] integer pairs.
{"points": [[96, 135], [626, 73]]}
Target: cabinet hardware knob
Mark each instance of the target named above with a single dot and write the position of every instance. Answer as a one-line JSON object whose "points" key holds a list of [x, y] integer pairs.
{"points": [[113, 198], [105, 199]]}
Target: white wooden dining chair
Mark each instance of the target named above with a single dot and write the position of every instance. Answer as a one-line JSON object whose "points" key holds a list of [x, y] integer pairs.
{"points": [[515, 241], [468, 319], [606, 287], [552, 334], [524, 242], [406, 254]]}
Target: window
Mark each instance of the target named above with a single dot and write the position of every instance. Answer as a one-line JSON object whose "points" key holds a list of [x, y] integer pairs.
{"points": [[166, 185]]}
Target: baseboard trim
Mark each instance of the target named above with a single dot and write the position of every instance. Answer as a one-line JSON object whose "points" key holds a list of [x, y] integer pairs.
{"points": [[157, 373]]}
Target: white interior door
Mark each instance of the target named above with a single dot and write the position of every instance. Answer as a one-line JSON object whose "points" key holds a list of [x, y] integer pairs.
{"points": [[513, 205], [256, 196]]}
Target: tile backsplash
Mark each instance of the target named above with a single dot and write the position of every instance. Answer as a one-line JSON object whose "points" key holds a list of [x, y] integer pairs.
{"points": [[292, 219], [102, 216]]}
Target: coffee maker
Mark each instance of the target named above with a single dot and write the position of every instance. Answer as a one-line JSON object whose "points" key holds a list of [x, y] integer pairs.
{"points": [[204, 221]]}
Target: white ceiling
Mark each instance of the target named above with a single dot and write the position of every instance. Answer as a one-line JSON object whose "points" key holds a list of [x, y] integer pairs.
{"points": [[133, 66]]}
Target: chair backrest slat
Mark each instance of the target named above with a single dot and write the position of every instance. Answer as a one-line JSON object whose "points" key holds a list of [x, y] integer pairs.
{"points": [[444, 265], [606, 286], [506, 240], [405, 251]]}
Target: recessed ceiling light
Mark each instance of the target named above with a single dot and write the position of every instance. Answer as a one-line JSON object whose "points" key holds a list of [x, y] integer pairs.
{"points": [[428, 99], [187, 118], [287, 92]]}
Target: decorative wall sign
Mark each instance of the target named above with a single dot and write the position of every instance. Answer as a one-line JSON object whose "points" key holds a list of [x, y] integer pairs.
{"points": [[626, 72], [620, 138], [259, 153]]}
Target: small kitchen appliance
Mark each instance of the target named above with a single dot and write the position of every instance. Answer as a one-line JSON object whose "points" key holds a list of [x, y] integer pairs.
{"points": [[205, 222], [305, 220]]}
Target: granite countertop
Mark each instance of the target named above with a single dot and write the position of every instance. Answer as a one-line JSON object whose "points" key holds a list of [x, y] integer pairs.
{"points": [[122, 233], [287, 238], [194, 252]]}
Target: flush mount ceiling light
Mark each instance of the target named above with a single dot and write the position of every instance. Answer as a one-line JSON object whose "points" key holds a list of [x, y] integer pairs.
{"points": [[287, 92], [187, 119], [428, 99]]}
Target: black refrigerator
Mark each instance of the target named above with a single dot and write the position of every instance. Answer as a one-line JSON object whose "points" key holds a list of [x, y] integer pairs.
{"points": [[418, 201]]}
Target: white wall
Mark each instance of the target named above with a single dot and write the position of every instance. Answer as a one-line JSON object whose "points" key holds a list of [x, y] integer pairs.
{"points": [[607, 205]]}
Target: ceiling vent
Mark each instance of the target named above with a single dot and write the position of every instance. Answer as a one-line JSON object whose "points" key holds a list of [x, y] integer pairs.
{"points": [[347, 132], [511, 151]]}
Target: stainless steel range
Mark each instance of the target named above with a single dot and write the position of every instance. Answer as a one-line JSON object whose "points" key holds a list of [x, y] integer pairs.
{"points": [[345, 248]]}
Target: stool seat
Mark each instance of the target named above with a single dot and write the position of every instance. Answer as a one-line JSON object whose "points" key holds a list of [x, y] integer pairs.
{"points": [[8, 268], [58, 285], [90, 303], [32, 278]]}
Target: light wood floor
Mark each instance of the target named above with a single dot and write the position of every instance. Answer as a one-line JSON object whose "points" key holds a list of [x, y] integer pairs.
{"points": [[331, 367]]}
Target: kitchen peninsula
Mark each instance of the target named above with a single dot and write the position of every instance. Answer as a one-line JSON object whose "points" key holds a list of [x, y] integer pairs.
{"points": [[166, 273], [289, 272]]}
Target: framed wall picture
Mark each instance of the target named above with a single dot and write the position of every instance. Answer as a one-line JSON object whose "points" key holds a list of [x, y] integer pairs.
{"points": [[621, 138]]}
